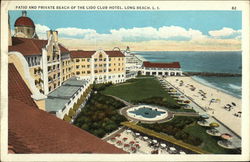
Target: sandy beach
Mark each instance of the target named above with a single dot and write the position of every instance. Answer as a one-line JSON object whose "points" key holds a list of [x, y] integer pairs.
{"points": [[194, 90]]}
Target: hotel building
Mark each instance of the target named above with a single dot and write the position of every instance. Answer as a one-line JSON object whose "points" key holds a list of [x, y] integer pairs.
{"points": [[161, 69]]}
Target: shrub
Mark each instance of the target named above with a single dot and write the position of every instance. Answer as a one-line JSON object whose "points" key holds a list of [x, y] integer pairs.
{"points": [[71, 112], [66, 118]]}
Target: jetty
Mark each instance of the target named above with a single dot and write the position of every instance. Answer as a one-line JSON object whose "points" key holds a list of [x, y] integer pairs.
{"points": [[212, 74]]}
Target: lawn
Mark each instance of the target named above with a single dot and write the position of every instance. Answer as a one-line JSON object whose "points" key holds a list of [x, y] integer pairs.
{"points": [[137, 89], [209, 142], [187, 130]]}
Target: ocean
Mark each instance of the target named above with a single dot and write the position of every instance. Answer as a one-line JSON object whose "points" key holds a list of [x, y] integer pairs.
{"points": [[217, 62]]}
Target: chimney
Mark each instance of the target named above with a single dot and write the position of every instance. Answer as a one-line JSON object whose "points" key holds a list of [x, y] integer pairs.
{"points": [[55, 35], [49, 32], [24, 13]]}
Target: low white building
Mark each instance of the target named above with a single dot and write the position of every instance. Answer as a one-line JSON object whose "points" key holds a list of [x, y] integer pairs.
{"points": [[161, 69]]}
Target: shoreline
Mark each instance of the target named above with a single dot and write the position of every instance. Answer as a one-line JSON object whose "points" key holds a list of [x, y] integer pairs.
{"points": [[217, 88], [215, 108]]}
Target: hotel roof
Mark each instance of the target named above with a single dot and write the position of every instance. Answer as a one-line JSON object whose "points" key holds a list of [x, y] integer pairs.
{"points": [[88, 54], [57, 99], [161, 65], [31, 130], [30, 46]]}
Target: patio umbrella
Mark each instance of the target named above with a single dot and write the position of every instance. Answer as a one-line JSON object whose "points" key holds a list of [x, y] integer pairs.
{"points": [[226, 136], [137, 145], [125, 138], [233, 104], [131, 142]]}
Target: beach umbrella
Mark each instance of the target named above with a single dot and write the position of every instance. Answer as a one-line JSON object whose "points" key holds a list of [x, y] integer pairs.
{"points": [[137, 134], [163, 145], [214, 124], [182, 152], [204, 116], [226, 136], [128, 131], [126, 145], [154, 141], [233, 104], [145, 137], [172, 148], [137, 145]]}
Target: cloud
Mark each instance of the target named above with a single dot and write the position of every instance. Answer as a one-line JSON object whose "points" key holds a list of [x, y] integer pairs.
{"points": [[148, 38], [134, 34], [41, 31], [225, 33]]}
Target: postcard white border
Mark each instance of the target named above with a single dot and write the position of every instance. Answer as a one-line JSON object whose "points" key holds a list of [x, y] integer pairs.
{"points": [[164, 5]]}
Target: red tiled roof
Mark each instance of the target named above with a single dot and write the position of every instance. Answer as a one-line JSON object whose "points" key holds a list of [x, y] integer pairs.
{"points": [[115, 53], [81, 54], [162, 65], [63, 49], [33, 130], [30, 46], [88, 54], [17, 87], [24, 21]]}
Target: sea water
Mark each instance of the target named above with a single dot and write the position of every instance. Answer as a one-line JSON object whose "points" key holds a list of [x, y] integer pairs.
{"points": [[217, 62]]}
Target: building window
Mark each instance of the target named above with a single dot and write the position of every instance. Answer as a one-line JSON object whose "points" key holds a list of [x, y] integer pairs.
{"points": [[54, 76], [58, 84], [109, 59], [49, 89], [88, 60], [110, 70], [95, 59], [100, 71], [109, 64], [77, 60], [96, 65], [77, 66], [96, 71], [88, 72], [58, 66], [54, 85], [88, 66], [104, 59], [77, 73], [48, 58]]}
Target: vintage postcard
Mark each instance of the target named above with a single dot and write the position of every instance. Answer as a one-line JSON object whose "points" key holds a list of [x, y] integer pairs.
{"points": [[125, 81]]}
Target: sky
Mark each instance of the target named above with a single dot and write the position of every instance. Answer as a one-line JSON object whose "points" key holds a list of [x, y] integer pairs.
{"points": [[141, 30]]}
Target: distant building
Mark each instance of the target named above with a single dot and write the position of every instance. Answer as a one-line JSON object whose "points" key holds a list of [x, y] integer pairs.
{"points": [[161, 69]]}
